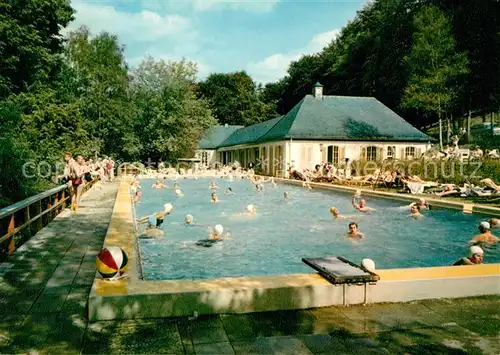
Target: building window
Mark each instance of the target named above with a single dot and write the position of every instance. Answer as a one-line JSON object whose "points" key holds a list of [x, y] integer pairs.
{"points": [[333, 155], [371, 153], [204, 158], [410, 152], [391, 152]]}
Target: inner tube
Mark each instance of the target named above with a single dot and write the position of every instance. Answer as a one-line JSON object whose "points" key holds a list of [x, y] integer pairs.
{"points": [[207, 243]]}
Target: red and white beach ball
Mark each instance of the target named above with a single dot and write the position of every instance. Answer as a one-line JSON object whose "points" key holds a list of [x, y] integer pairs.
{"points": [[110, 261]]}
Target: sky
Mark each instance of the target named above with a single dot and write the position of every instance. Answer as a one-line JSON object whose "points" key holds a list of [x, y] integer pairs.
{"points": [[261, 37]]}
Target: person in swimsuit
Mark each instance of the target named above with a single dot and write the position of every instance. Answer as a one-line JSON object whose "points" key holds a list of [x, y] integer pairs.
{"points": [[158, 185], [485, 237], [361, 207], [354, 232], [415, 212], [152, 230], [213, 197], [77, 182], [475, 257]]}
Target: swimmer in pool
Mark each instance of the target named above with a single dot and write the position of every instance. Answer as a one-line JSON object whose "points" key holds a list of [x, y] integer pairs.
{"points": [[188, 219], [152, 230], [176, 186], [415, 212], [137, 196], [476, 255], [213, 197], [420, 203], [229, 191], [251, 210], [485, 237], [217, 232], [361, 207], [494, 223], [286, 195], [336, 214], [179, 193], [160, 215], [213, 185], [271, 180], [158, 185], [353, 231]]}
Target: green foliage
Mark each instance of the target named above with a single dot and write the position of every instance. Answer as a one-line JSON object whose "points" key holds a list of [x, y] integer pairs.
{"points": [[434, 63], [368, 59], [236, 99], [30, 42]]}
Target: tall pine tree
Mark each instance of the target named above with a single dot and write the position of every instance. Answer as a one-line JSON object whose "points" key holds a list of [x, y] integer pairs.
{"points": [[434, 65]]}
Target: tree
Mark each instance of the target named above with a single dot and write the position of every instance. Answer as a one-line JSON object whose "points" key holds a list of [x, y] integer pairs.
{"points": [[101, 76], [29, 42], [235, 99], [434, 64], [171, 118]]}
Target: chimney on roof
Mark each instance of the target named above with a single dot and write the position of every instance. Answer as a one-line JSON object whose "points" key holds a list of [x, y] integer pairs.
{"points": [[318, 91]]}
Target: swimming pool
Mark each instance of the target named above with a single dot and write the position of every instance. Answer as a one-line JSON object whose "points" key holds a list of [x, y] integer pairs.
{"points": [[283, 232]]}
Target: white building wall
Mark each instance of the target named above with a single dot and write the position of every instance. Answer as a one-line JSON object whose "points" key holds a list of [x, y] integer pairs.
{"points": [[306, 154], [211, 157]]}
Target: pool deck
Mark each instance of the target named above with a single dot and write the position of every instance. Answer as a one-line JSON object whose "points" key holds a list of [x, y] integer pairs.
{"points": [[45, 287]]}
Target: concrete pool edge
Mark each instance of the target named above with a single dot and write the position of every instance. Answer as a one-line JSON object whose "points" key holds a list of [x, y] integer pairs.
{"points": [[135, 298]]}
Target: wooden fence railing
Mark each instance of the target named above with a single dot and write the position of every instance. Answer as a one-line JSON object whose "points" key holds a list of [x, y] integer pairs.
{"points": [[20, 221]]}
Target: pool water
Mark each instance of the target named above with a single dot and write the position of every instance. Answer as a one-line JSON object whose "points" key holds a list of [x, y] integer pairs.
{"points": [[284, 231]]}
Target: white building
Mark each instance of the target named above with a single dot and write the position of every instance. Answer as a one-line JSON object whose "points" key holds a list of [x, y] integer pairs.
{"points": [[320, 128], [208, 144]]}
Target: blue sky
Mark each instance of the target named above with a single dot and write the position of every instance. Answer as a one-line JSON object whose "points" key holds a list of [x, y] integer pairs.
{"points": [[259, 36]]}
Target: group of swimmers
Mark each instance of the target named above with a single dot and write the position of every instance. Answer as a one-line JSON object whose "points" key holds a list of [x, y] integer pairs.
{"points": [[359, 204], [476, 253], [154, 221]]}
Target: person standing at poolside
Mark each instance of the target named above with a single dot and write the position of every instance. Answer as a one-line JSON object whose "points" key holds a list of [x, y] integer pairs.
{"points": [[361, 207], [476, 255], [354, 231], [485, 237]]}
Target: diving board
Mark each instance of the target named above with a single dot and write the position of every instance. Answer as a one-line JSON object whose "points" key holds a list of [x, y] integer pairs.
{"points": [[339, 270]]}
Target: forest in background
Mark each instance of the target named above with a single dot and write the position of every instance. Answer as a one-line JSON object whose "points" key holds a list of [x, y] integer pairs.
{"points": [[425, 59]]}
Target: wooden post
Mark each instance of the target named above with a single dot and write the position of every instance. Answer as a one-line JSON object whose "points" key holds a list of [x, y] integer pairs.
{"points": [[440, 134], [63, 197], [10, 229], [468, 125], [38, 210]]}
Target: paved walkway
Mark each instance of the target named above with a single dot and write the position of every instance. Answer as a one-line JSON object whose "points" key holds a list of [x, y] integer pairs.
{"points": [[45, 285]]}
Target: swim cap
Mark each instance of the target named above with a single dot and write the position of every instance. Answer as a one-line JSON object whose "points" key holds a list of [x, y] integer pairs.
{"points": [[218, 229], [484, 225], [475, 250], [152, 220], [189, 217], [368, 264], [168, 207], [250, 208], [178, 192]]}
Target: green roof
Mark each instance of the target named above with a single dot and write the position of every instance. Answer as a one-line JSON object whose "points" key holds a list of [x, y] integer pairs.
{"points": [[343, 118], [216, 135], [249, 134]]}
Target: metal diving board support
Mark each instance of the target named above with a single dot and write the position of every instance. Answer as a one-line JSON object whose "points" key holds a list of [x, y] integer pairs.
{"points": [[340, 271]]}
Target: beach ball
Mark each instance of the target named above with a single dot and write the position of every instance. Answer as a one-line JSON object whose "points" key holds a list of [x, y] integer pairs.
{"points": [[110, 261]]}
